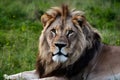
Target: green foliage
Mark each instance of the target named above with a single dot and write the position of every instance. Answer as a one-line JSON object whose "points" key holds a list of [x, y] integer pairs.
{"points": [[20, 28]]}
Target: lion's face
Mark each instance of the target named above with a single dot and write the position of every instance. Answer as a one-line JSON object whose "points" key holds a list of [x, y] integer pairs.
{"points": [[61, 39]]}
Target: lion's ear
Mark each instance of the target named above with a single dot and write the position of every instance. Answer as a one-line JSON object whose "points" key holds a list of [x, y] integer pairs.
{"points": [[46, 19], [80, 20]]}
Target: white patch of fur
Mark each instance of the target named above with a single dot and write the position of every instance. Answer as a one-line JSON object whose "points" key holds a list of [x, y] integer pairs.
{"points": [[53, 33], [59, 58], [70, 34], [56, 50], [63, 51]]}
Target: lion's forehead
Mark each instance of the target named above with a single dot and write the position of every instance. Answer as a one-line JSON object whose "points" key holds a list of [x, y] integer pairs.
{"points": [[59, 24]]}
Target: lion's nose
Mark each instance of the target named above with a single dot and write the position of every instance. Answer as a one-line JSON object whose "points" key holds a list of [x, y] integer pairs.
{"points": [[60, 45]]}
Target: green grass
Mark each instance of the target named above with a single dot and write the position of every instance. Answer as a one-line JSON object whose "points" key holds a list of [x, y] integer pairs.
{"points": [[20, 28]]}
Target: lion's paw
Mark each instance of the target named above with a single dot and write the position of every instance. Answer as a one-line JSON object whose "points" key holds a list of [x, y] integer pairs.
{"points": [[11, 77], [6, 77]]}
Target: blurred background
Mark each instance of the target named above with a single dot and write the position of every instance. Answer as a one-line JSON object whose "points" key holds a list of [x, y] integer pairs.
{"points": [[20, 28]]}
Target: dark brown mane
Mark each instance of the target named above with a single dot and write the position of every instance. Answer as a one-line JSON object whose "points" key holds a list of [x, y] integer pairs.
{"points": [[64, 13]]}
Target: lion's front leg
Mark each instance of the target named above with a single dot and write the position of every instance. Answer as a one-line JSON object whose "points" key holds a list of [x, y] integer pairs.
{"points": [[27, 75], [52, 78], [30, 75]]}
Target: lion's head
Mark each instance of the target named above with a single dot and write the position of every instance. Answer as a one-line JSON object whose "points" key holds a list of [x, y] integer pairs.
{"points": [[65, 37]]}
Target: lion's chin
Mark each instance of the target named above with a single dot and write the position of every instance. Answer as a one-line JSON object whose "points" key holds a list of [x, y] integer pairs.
{"points": [[59, 58]]}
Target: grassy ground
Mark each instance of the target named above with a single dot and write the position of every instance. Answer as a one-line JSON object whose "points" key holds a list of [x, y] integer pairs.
{"points": [[20, 28]]}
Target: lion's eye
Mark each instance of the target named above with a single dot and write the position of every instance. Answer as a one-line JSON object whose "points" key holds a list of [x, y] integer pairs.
{"points": [[53, 32], [69, 33]]}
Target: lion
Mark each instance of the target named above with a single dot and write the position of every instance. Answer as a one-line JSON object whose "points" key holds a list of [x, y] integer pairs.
{"points": [[71, 49]]}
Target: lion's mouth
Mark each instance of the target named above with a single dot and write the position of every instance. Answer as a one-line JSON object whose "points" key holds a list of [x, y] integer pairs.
{"points": [[60, 53], [59, 57]]}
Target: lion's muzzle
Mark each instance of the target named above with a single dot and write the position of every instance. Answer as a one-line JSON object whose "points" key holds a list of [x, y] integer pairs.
{"points": [[60, 55]]}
